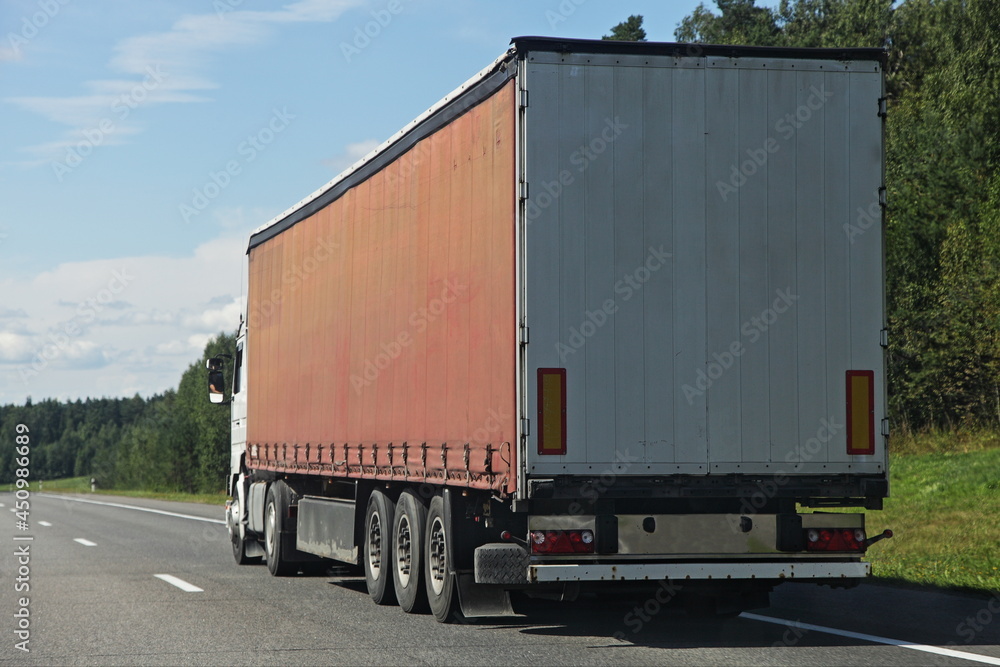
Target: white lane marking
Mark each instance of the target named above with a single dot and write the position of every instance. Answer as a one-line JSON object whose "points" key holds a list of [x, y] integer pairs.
{"points": [[45, 523], [964, 655], [133, 507], [86, 543], [179, 583]]}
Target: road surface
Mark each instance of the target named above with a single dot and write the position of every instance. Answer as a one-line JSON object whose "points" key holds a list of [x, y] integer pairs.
{"points": [[122, 581]]}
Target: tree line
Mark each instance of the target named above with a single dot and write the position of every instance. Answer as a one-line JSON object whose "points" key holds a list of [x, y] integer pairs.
{"points": [[174, 441]]}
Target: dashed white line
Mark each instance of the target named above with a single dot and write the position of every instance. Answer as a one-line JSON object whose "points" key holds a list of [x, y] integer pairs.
{"points": [[133, 507], [964, 655], [179, 583], [45, 523], [86, 543]]}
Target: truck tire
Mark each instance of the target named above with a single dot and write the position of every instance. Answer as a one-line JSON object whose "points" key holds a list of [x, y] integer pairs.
{"points": [[275, 509], [378, 548], [408, 549], [239, 543], [442, 593]]}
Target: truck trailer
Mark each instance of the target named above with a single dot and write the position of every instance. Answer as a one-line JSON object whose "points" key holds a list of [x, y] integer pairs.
{"points": [[608, 315]]}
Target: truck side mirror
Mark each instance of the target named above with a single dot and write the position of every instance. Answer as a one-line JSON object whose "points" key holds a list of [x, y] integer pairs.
{"points": [[216, 381]]}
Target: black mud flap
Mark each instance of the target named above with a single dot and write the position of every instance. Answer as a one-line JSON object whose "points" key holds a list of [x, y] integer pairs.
{"points": [[481, 600]]}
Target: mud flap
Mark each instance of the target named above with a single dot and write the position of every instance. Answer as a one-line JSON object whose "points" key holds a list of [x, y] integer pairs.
{"points": [[479, 600], [254, 548]]}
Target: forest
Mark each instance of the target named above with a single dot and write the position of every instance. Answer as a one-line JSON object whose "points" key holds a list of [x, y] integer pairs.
{"points": [[174, 441], [942, 245]]}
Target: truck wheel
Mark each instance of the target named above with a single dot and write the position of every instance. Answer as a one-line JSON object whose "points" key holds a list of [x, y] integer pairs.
{"points": [[440, 582], [408, 541], [378, 549], [239, 544], [274, 513]]}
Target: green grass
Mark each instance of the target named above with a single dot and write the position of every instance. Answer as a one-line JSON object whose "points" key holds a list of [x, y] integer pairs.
{"points": [[943, 512], [82, 485], [944, 441]]}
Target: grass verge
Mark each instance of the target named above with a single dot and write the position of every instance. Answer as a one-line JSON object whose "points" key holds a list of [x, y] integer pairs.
{"points": [[943, 513], [82, 485]]}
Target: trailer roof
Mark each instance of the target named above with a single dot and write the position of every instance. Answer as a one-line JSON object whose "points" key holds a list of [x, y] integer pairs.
{"points": [[495, 75], [455, 103], [562, 45]]}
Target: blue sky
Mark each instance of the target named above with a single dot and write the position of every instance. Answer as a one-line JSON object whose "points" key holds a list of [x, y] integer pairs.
{"points": [[122, 236]]}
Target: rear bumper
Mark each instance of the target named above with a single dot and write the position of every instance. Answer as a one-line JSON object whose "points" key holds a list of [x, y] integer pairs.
{"points": [[682, 571]]}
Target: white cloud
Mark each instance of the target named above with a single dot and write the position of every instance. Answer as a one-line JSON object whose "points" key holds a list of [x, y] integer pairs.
{"points": [[163, 67], [8, 54], [15, 347], [240, 217], [85, 355], [216, 319], [111, 326], [352, 153], [190, 348]]}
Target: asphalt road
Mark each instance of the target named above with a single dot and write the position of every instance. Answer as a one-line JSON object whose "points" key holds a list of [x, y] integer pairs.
{"points": [[95, 599]]}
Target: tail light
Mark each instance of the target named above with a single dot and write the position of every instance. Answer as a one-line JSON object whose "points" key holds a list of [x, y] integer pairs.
{"points": [[835, 539], [562, 541]]}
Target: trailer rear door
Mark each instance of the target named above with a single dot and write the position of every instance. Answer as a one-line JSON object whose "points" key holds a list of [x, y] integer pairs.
{"points": [[703, 265]]}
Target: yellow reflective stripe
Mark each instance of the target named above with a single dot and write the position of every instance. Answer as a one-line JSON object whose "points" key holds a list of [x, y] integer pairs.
{"points": [[551, 411], [860, 412]]}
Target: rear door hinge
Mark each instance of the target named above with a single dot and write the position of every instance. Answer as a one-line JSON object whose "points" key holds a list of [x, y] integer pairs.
{"points": [[525, 426], [524, 99], [882, 108], [524, 190], [883, 338], [524, 334]]}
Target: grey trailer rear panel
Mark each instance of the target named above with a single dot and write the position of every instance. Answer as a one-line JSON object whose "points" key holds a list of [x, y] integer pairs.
{"points": [[703, 260]]}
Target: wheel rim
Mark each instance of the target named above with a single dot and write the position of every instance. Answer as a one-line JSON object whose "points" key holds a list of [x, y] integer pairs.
{"points": [[375, 546], [272, 521], [233, 518], [437, 559], [404, 551]]}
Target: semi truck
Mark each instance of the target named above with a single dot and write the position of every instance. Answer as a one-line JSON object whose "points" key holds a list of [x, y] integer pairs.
{"points": [[608, 315]]}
